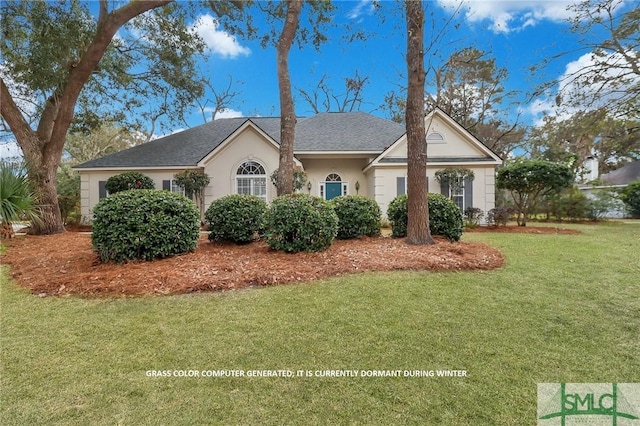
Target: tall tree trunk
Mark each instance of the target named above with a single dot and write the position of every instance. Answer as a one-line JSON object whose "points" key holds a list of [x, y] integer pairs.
{"points": [[287, 112], [42, 148], [417, 207]]}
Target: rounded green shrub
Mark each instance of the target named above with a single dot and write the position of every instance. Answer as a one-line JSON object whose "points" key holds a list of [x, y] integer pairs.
{"points": [[238, 218], [128, 180], [300, 222], [397, 215], [144, 225], [445, 218], [357, 216]]}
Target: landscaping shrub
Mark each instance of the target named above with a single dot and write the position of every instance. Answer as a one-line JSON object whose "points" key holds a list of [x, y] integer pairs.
{"points": [[357, 216], [631, 197], [472, 216], [128, 180], [445, 218], [144, 225], [300, 222], [499, 216], [238, 218]]}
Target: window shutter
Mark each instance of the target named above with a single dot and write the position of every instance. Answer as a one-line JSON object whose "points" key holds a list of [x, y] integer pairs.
{"points": [[400, 185], [102, 189], [444, 187], [468, 192], [166, 185], [427, 184]]}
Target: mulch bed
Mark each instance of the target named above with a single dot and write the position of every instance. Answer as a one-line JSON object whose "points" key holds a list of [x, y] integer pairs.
{"points": [[65, 264]]}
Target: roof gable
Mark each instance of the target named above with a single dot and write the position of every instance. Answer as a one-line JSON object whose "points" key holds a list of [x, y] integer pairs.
{"points": [[452, 144]]}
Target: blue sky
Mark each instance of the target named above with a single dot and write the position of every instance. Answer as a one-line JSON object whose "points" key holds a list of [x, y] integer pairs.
{"points": [[517, 33]]}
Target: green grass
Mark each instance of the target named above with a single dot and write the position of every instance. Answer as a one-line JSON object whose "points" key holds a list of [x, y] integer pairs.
{"points": [[565, 308]]}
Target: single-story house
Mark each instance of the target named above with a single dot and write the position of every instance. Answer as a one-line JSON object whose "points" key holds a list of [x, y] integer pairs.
{"points": [[614, 180], [341, 153]]}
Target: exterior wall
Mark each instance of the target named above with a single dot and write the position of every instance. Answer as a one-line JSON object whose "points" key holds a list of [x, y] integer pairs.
{"points": [[452, 145], [90, 193], [350, 170], [385, 185], [222, 168]]}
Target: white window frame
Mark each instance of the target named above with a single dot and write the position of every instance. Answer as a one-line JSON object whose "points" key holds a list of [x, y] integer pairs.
{"points": [[256, 181], [322, 185], [175, 188], [458, 198]]}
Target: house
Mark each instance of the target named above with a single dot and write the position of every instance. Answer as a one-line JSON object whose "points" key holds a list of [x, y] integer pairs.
{"points": [[614, 180], [341, 153]]}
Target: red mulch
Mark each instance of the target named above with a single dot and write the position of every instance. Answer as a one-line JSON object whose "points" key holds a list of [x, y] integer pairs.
{"points": [[65, 264]]}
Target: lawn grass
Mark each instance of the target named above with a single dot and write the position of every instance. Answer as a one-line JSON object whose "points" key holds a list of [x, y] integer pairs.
{"points": [[565, 308]]}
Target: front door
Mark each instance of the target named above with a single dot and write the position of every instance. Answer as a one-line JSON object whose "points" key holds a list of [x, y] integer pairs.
{"points": [[333, 189]]}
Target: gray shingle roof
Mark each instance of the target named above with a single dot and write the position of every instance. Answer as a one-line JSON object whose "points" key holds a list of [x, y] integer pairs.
{"points": [[355, 131], [623, 175]]}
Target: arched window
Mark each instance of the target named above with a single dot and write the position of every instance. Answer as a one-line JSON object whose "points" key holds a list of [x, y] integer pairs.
{"points": [[435, 137], [251, 179], [333, 177]]}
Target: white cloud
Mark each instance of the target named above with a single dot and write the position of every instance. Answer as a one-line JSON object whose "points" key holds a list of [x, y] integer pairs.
{"points": [[364, 7], [228, 113], [505, 16], [219, 42], [579, 85]]}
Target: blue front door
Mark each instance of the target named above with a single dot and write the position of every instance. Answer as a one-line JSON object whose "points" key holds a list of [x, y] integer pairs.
{"points": [[333, 189]]}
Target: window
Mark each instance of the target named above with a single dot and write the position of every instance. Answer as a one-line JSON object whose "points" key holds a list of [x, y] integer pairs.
{"points": [[175, 188], [456, 192], [435, 137], [333, 177], [251, 179]]}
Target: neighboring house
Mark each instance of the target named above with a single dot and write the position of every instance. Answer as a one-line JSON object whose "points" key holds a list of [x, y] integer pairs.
{"points": [[614, 180], [342, 154]]}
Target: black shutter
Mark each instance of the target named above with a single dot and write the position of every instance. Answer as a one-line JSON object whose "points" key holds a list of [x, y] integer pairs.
{"points": [[468, 192], [400, 185], [102, 189], [444, 187], [427, 184], [166, 185]]}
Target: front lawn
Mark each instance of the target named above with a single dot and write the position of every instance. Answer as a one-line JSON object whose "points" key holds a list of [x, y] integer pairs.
{"points": [[564, 308]]}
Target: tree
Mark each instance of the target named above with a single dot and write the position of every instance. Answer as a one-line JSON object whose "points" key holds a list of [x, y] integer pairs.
{"points": [[469, 88], [323, 99], [288, 12], [60, 58], [287, 110], [528, 180], [102, 140], [194, 182], [595, 133], [610, 73], [417, 207]]}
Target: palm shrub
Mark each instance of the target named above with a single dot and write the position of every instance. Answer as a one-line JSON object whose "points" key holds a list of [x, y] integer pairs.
{"points": [[128, 180], [17, 198], [357, 216], [238, 218], [445, 218], [144, 224], [300, 222]]}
